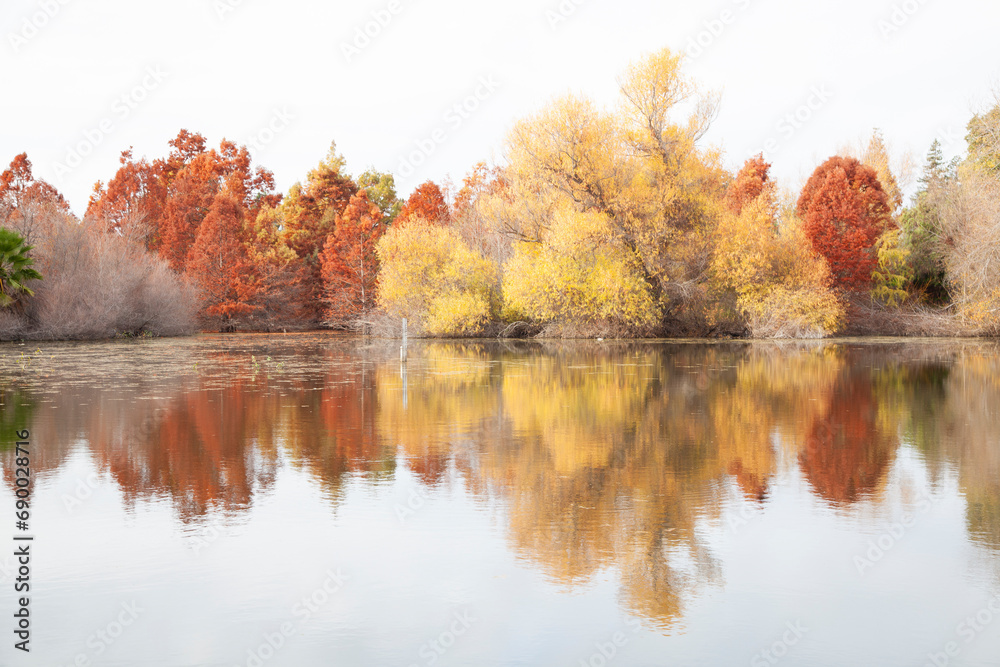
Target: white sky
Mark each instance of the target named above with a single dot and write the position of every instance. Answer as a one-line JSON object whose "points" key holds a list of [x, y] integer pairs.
{"points": [[230, 68]]}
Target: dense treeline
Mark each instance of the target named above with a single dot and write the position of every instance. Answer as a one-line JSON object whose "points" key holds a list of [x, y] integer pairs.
{"points": [[597, 223]]}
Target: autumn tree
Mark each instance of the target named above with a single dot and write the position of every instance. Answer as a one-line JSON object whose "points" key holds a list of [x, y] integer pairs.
{"points": [[780, 285], [984, 139], [191, 195], [381, 191], [969, 215], [844, 211], [277, 270], [578, 276], [876, 155], [640, 167], [25, 202], [748, 184], [220, 264], [428, 203], [310, 210], [133, 201], [430, 276], [195, 185], [252, 186], [349, 264], [474, 212], [309, 213], [163, 202]]}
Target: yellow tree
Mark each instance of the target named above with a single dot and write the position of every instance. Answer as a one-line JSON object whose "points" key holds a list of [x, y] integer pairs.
{"points": [[638, 167], [579, 275], [876, 156], [430, 276], [782, 287]]}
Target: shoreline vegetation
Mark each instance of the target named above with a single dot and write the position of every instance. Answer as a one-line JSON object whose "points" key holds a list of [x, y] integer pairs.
{"points": [[596, 223]]}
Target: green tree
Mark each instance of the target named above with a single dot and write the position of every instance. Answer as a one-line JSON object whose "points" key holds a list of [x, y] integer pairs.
{"points": [[15, 268], [381, 190], [935, 169], [920, 226], [892, 274]]}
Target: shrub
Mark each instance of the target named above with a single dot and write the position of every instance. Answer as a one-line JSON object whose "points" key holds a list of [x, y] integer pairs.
{"points": [[432, 278], [99, 285], [781, 285], [578, 274]]}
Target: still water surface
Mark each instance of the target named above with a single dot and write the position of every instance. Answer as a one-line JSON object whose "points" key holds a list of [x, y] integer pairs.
{"points": [[308, 500]]}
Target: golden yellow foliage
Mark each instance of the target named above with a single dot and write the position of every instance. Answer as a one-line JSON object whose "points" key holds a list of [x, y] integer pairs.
{"points": [[637, 169], [430, 276], [781, 285], [578, 274]]}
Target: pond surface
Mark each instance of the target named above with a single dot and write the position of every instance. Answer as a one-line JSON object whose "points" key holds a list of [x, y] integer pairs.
{"points": [[308, 500]]}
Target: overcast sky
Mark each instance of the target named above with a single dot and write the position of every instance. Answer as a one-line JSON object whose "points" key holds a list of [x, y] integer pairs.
{"points": [[85, 79]]}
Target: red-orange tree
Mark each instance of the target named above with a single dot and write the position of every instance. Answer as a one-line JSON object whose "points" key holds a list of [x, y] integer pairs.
{"points": [[191, 194], [749, 183], [220, 264], [844, 211], [349, 263], [427, 203], [196, 183], [25, 203], [165, 200], [309, 214], [132, 201]]}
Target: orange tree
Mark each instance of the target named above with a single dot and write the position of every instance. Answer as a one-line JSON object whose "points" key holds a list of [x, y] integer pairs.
{"points": [[844, 211]]}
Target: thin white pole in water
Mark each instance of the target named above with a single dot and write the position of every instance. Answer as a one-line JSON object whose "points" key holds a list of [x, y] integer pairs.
{"points": [[402, 363], [402, 348]]}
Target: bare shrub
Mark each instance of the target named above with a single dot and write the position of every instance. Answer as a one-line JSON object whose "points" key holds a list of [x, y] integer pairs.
{"points": [[870, 318], [581, 330], [99, 285], [970, 221]]}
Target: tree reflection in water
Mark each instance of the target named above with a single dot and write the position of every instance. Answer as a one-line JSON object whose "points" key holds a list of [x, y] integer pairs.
{"points": [[605, 457]]}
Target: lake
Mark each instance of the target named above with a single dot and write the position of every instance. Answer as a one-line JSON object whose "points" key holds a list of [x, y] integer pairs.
{"points": [[299, 500]]}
